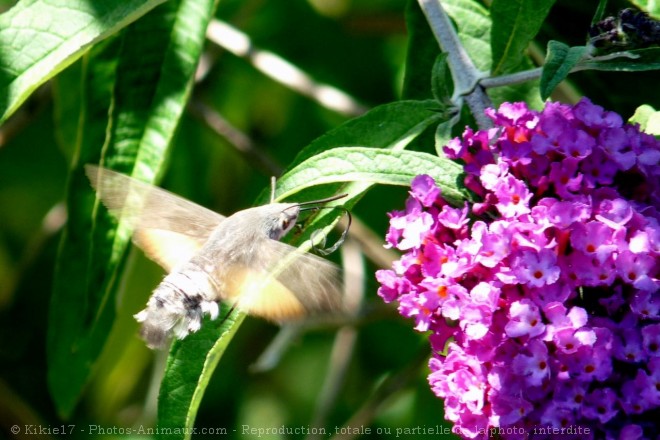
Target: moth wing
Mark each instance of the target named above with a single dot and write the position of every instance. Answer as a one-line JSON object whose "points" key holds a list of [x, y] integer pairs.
{"points": [[168, 249], [284, 283], [168, 228]]}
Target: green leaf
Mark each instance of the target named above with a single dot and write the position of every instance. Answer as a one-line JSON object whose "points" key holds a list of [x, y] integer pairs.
{"points": [[135, 89], [650, 6], [559, 62], [375, 166], [72, 311], [392, 125], [515, 24], [38, 39], [648, 119], [421, 51], [189, 369], [600, 12], [635, 60], [442, 83]]}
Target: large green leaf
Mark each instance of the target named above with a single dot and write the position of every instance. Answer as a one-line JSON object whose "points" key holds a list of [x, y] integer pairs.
{"points": [[392, 125], [515, 24], [376, 166], [189, 368], [135, 91], [40, 38]]}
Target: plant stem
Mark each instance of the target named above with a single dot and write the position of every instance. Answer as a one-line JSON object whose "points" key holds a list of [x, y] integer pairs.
{"points": [[513, 78], [465, 75]]}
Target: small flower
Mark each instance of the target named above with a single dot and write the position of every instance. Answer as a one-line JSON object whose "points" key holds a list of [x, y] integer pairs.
{"points": [[413, 227], [535, 365], [512, 197], [593, 239], [423, 189], [600, 405], [538, 269], [651, 340], [635, 269], [525, 320]]}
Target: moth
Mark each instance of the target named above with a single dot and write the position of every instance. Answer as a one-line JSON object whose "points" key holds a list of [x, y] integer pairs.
{"points": [[210, 258]]}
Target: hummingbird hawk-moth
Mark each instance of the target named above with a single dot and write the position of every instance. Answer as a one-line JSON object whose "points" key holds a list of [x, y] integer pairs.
{"points": [[210, 258]]}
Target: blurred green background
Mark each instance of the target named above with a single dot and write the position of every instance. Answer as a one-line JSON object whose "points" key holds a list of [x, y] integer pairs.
{"points": [[358, 46]]}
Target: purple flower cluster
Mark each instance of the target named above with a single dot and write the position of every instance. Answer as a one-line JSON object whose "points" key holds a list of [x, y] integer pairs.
{"points": [[542, 299]]}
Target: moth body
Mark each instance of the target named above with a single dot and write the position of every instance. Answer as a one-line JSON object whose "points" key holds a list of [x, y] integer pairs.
{"points": [[179, 303]]}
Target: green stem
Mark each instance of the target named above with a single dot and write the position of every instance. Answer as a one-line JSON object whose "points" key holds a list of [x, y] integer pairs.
{"points": [[510, 79], [464, 73]]}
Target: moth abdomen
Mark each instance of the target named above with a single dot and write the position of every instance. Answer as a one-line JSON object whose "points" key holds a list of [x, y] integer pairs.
{"points": [[177, 307]]}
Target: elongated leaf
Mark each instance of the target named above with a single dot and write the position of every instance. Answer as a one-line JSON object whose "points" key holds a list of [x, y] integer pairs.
{"points": [[600, 12], [385, 167], [148, 90], [392, 125], [70, 313], [38, 39], [189, 368], [515, 24], [559, 62]]}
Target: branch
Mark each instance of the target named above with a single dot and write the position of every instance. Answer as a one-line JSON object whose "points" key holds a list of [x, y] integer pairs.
{"points": [[465, 75]]}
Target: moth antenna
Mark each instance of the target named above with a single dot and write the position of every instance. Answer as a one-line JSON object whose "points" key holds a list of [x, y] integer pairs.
{"points": [[273, 181]]}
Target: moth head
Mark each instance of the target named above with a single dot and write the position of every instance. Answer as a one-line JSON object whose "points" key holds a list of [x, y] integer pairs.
{"points": [[279, 218]]}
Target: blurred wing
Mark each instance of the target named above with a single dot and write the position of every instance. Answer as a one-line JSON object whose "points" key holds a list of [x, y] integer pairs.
{"points": [[168, 228], [284, 283]]}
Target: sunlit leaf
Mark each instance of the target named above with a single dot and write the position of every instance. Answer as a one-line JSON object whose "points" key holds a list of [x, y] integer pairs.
{"points": [[515, 24], [38, 39], [376, 166], [648, 119]]}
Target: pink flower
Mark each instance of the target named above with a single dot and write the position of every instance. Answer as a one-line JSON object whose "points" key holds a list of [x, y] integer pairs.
{"points": [[537, 269], [525, 320], [512, 197]]}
